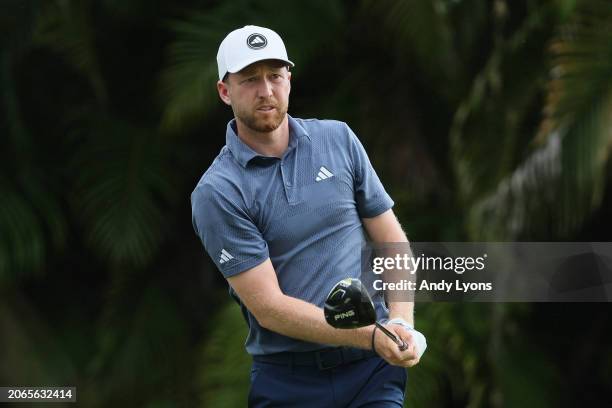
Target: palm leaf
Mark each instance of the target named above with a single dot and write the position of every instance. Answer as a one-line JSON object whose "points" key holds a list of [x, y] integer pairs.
{"points": [[142, 349], [120, 190], [32, 224], [67, 28], [453, 371], [438, 38], [223, 380], [559, 185], [31, 218], [22, 243], [487, 134], [25, 358]]}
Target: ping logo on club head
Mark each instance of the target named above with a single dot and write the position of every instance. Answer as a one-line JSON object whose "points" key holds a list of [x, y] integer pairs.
{"points": [[344, 315], [256, 41]]}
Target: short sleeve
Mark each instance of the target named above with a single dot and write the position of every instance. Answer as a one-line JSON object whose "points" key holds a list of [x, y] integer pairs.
{"points": [[370, 195], [227, 232]]}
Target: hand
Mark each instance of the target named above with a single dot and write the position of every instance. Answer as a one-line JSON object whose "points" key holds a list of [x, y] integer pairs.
{"points": [[417, 337], [388, 349]]}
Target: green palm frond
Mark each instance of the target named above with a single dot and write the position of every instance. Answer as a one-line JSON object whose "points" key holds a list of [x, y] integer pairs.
{"points": [[121, 188], [505, 213], [437, 37], [428, 382], [223, 379], [489, 126], [454, 369], [561, 182], [32, 222], [25, 358], [66, 26], [142, 349], [539, 388], [187, 85]]}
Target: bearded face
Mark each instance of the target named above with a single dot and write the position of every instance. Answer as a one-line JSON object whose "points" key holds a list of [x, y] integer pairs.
{"points": [[263, 117], [260, 95]]}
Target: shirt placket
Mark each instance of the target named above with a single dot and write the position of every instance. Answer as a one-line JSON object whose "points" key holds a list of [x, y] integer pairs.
{"points": [[288, 174]]}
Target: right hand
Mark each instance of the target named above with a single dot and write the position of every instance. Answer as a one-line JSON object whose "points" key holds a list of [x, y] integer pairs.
{"points": [[389, 350]]}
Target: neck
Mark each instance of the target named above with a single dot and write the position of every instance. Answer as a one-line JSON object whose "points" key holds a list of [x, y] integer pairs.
{"points": [[271, 144]]}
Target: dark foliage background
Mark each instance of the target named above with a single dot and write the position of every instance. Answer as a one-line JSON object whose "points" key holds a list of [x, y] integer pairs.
{"points": [[486, 120]]}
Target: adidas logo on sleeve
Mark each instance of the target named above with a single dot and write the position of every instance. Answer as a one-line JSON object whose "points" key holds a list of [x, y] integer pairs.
{"points": [[225, 257]]}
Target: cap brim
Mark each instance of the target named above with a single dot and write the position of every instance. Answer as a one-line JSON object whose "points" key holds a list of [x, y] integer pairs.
{"points": [[243, 64]]}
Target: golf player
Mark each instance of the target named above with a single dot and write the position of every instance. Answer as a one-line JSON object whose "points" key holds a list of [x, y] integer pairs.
{"points": [[283, 211]]}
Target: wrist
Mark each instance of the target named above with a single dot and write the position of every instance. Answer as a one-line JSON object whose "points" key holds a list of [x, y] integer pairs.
{"points": [[400, 321], [360, 338], [402, 310], [373, 345]]}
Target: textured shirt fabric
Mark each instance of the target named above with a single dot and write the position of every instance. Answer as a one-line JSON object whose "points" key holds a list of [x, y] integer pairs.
{"points": [[303, 211]]}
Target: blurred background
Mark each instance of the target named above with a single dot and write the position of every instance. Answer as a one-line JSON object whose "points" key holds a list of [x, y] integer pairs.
{"points": [[486, 120]]}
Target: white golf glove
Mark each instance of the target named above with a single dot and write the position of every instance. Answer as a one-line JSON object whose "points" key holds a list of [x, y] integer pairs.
{"points": [[417, 336]]}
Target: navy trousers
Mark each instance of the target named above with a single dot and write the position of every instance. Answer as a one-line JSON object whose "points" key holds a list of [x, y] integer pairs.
{"points": [[369, 382]]}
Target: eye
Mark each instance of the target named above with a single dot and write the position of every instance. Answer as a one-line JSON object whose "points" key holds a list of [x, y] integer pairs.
{"points": [[249, 80]]}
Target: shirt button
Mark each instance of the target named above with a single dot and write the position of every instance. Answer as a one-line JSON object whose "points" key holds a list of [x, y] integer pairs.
{"points": [[288, 184]]}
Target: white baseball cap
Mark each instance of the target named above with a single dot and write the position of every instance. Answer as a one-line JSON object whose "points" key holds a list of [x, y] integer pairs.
{"points": [[247, 45]]}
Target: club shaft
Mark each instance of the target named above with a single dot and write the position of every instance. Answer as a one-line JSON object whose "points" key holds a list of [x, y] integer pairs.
{"points": [[392, 336]]}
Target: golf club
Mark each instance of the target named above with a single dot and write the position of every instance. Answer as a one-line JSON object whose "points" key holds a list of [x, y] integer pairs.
{"points": [[349, 306]]}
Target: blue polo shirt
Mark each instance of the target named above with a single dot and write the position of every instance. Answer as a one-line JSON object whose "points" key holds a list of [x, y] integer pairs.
{"points": [[303, 211]]}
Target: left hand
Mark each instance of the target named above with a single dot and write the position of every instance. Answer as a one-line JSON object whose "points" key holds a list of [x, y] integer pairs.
{"points": [[417, 339]]}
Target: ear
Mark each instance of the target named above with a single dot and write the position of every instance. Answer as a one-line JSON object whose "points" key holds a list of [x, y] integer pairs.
{"points": [[223, 90]]}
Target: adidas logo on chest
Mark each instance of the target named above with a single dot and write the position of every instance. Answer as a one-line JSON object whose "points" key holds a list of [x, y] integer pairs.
{"points": [[323, 174]]}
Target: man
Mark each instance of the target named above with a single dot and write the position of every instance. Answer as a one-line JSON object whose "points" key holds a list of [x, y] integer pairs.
{"points": [[283, 211]]}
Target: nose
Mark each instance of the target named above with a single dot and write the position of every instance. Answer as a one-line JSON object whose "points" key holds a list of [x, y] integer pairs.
{"points": [[265, 88]]}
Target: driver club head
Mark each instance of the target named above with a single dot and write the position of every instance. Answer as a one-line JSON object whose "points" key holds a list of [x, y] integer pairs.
{"points": [[349, 306]]}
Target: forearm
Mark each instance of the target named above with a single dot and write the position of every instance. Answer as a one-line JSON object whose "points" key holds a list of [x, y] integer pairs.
{"points": [[298, 319], [386, 229], [400, 302], [405, 310]]}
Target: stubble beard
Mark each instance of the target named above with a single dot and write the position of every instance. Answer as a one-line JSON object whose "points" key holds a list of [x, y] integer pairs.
{"points": [[263, 125]]}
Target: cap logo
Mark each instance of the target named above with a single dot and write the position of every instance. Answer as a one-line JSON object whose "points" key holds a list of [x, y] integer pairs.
{"points": [[256, 41]]}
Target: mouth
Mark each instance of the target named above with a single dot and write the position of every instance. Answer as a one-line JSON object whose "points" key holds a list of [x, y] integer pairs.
{"points": [[266, 108]]}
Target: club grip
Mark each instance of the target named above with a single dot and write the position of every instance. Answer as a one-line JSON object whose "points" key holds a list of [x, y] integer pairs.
{"points": [[400, 343]]}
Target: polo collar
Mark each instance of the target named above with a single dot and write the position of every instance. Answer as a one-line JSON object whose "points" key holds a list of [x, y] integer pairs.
{"points": [[244, 154]]}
